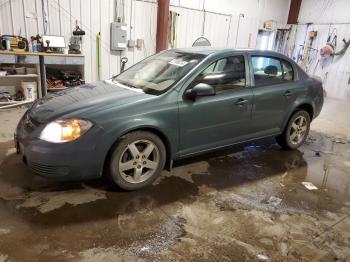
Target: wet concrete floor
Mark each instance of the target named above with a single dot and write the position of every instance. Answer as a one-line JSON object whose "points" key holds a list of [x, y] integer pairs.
{"points": [[247, 203]]}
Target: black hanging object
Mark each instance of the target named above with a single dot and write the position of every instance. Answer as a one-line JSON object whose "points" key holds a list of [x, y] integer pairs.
{"points": [[123, 61]]}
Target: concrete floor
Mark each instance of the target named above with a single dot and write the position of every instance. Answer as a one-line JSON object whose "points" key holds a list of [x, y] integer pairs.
{"points": [[246, 203]]}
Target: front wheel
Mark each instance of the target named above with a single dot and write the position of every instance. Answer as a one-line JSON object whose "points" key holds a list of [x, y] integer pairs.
{"points": [[137, 160], [296, 131]]}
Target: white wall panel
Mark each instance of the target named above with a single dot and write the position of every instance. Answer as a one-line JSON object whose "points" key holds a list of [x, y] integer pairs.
{"points": [[31, 17], [196, 4], [75, 13], [114, 57], [95, 28], [18, 24], [5, 17], [65, 20], [330, 11], [87, 39], [222, 18], [188, 27], [39, 16], [247, 33], [105, 38], [276, 10], [216, 29], [145, 27], [54, 24]]}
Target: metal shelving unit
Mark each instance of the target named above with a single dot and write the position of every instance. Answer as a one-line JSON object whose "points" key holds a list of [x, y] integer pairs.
{"points": [[40, 61]]}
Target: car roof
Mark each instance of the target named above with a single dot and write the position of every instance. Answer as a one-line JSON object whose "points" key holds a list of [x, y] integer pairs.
{"points": [[216, 51]]}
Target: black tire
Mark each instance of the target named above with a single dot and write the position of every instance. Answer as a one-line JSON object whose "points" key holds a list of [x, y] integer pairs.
{"points": [[121, 150], [285, 139]]}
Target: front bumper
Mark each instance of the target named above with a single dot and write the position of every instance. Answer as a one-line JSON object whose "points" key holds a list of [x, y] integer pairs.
{"points": [[79, 159]]}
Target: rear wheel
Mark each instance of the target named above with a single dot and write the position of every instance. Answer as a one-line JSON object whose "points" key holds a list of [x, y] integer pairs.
{"points": [[137, 160], [296, 131]]}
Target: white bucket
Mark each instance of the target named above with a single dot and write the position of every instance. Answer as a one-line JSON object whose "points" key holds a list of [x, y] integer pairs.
{"points": [[29, 90]]}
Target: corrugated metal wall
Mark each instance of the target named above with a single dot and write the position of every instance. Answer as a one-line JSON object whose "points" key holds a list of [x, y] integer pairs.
{"points": [[25, 17], [219, 28]]}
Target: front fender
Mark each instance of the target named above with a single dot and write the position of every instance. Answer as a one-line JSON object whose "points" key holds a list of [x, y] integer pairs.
{"points": [[166, 126]]}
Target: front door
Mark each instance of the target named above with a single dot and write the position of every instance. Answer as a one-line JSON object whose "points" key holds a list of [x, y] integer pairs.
{"points": [[214, 121]]}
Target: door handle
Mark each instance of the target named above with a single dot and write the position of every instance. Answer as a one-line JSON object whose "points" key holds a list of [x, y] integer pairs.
{"points": [[241, 102], [288, 93]]}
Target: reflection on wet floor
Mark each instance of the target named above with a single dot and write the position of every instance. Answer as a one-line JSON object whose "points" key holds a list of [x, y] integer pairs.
{"points": [[254, 177]]}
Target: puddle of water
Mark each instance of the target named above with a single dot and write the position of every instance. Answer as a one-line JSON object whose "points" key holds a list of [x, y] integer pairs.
{"points": [[255, 176], [256, 171]]}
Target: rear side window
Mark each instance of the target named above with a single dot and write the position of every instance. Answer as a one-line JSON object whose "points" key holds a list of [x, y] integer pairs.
{"points": [[225, 74], [269, 70]]}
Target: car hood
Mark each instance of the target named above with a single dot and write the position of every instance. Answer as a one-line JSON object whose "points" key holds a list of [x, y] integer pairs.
{"points": [[77, 100]]}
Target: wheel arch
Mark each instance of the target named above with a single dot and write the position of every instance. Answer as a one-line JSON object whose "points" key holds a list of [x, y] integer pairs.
{"points": [[151, 129], [307, 106]]}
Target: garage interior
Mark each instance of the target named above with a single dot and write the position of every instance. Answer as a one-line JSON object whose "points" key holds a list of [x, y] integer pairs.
{"points": [[249, 202]]}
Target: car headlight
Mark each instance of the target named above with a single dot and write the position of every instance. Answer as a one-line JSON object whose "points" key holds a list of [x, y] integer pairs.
{"points": [[61, 131]]}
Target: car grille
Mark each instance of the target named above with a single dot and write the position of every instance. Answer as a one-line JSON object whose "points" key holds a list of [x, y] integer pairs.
{"points": [[46, 170]]}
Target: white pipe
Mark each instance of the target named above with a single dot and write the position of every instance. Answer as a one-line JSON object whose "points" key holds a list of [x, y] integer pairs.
{"points": [[15, 105], [238, 23]]}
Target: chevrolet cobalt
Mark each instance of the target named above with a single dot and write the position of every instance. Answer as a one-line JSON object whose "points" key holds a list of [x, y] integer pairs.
{"points": [[172, 105]]}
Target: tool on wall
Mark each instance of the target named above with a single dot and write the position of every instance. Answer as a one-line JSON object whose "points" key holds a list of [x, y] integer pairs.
{"points": [[331, 44], [309, 52], [328, 52], [345, 47], [281, 39], [172, 29], [123, 61], [329, 49], [76, 40]]}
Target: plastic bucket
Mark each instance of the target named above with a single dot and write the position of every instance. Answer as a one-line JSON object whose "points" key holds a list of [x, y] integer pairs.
{"points": [[29, 90]]}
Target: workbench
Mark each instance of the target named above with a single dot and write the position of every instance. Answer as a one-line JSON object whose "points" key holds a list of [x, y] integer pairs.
{"points": [[40, 60]]}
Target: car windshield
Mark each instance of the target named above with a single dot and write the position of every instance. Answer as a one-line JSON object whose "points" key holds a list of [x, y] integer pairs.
{"points": [[159, 72]]}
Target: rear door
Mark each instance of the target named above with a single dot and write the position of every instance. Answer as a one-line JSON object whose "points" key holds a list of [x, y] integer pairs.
{"points": [[274, 89], [214, 121]]}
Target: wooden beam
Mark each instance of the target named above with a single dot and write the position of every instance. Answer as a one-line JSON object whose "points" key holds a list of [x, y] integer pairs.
{"points": [[294, 11], [162, 24]]}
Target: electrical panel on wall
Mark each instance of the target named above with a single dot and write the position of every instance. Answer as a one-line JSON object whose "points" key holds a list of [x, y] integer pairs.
{"points": [[118, 36]]}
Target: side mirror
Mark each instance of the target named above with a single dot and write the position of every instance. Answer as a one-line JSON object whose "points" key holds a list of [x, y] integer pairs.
{"points": [[200, 89]]}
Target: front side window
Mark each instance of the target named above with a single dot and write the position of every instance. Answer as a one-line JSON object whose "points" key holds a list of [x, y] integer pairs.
{"points": [[159, 72], [224, 74], [269, 70]]}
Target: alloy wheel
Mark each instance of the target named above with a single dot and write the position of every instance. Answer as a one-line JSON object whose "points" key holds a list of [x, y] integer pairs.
{"points": [[298, 130], [139, 161]]}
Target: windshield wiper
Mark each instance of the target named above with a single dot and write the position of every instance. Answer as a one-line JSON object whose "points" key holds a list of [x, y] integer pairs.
{"points": [[123, 83]]}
